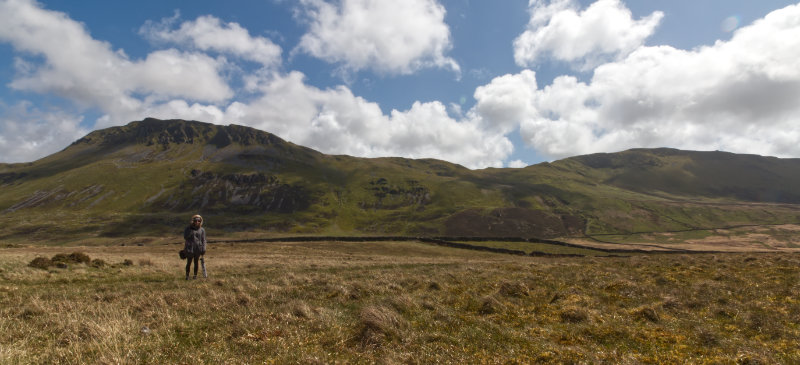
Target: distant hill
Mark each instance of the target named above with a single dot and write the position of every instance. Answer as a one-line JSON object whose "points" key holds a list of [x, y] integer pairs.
{"points": [[147, 177]]}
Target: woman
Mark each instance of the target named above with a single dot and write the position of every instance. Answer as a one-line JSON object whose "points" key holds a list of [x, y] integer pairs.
{"points": [[194, 244]]}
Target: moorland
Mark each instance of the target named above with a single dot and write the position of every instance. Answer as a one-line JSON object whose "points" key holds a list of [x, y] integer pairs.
{"points": [[395, 302], [640, 256]]}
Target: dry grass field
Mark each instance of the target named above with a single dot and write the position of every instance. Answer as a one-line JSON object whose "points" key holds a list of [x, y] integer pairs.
{"points": [[395, 302]]}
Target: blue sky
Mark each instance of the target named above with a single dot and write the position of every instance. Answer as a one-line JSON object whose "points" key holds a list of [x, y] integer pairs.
{"points": [[481, 83]]}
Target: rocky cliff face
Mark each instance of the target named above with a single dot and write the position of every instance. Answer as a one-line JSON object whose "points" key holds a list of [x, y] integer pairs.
{"points": [[389, 195], [242, 193], [152, 131]]}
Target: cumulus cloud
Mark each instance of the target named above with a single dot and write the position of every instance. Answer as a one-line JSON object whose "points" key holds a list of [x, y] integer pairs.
{"points": [[77, 67], [187, 83], [517, 164], [506, 101], [27, 133], [393, 37], [208, 33], [738, 95], [605, 30], [336, 121]]}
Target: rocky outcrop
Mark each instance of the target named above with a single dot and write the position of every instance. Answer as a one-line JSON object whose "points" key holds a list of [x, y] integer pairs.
{"points": [[391, 195], [242, 193], [152, 131], [11, 177], [86, 197]]}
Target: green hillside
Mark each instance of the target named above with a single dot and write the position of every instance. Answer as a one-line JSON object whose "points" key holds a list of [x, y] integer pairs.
{"points": [[147, 177]]}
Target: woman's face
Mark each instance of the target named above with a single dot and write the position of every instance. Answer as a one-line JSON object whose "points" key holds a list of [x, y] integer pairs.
{"points": [[197, 222]]}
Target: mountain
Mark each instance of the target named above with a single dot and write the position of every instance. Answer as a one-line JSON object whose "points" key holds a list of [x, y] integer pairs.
{"points": [[148, 177]]}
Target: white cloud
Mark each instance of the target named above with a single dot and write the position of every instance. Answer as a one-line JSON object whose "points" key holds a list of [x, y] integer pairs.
{"points": [[394, 37], [336, 121], [177, 84], [605, 30], [506, 101], [27, 133], [88, 71], [208, 33], [517, 164], [738, 95]]}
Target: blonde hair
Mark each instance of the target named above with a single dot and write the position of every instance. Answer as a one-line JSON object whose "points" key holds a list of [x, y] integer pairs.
{"points": [[197, 216]]}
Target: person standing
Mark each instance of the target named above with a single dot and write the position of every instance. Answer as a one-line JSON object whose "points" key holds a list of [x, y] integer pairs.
{"points": [[194, 244]]}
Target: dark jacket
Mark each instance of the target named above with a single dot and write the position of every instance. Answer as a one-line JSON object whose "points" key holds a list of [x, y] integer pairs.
{"points": [[195, 241]]}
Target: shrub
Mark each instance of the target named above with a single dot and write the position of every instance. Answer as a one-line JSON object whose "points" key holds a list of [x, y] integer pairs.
{"points": [[75, 257], [79, 258], [61, 257], [41, 263], [127, 262], [98, 263]]}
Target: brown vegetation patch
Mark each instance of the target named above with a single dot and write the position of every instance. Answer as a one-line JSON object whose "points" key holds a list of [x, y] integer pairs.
{"points": [[490, 305], [574, 315], [380, 324], [647, 314], [41, 263], [60, 260], [290, 303], [513, 289]]}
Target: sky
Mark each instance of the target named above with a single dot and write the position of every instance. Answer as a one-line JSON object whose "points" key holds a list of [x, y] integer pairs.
{"points": [[476, 82]]}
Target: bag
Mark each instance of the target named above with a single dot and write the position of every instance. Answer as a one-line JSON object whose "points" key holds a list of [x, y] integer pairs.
{"points": [[182, 254]]}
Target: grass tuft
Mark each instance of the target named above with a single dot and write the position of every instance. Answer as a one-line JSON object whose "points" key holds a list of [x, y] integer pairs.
{"points": [[98, 263], [490, 305], [380, 324], [515, 289], [300, 309], [573, 315], [647, 314], [330, 302]]}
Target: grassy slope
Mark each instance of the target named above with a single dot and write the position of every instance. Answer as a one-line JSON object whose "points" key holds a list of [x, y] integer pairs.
{"points": [[121, 181], [392, 302]]}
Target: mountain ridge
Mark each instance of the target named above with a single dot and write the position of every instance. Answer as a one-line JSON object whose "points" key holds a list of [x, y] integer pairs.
{"points": [[153, 173]]}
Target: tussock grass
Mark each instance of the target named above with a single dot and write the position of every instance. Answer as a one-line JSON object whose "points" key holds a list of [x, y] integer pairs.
{"points": [[379, 324], [397, 302]]}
